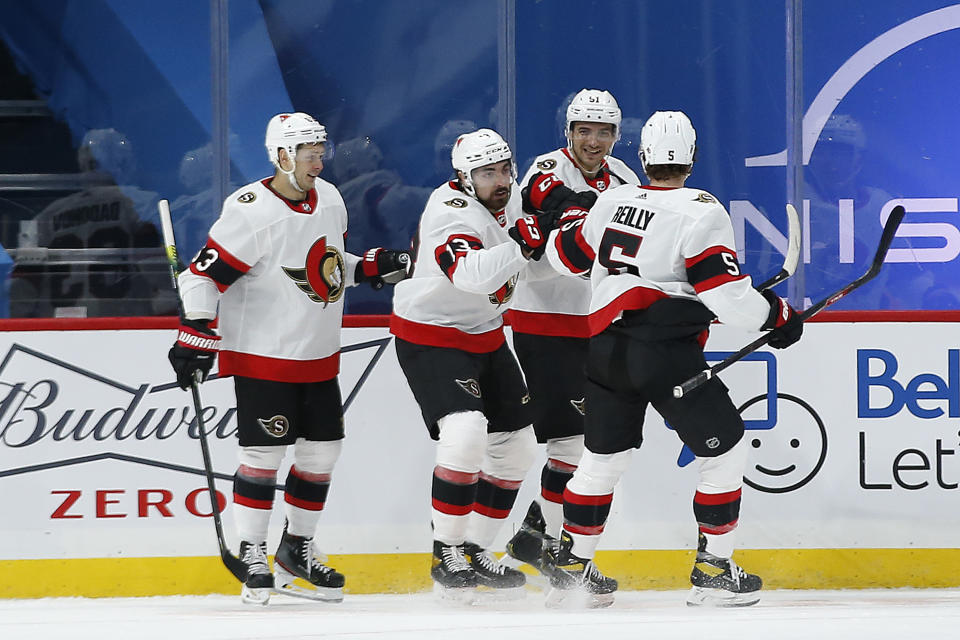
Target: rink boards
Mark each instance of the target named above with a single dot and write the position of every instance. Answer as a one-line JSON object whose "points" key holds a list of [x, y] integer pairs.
{"points": [[852, 479]]}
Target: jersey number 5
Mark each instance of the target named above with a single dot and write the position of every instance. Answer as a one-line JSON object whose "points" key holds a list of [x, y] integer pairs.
{"points": [[616, 246]]}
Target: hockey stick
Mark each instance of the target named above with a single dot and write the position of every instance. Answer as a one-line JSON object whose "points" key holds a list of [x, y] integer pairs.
{"points": [[889, 231], [793, 250], [232, 562]]}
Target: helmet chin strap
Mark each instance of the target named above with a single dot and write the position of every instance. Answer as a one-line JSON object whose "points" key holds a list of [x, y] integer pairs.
{"points": [[289, 174]]}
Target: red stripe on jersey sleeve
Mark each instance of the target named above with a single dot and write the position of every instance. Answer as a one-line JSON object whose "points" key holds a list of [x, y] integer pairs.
{"points": [[706, 253], [715, 282]]}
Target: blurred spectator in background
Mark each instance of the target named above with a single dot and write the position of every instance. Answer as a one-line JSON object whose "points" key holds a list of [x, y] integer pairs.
{"points": [[383, 211], [126, 280], [194, 212]]}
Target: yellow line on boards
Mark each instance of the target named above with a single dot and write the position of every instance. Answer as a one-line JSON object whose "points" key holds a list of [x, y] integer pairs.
{"points": [[407, 573]]}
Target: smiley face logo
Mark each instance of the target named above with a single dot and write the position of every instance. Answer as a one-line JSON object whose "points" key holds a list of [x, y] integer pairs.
{"points": [[789, 455]]}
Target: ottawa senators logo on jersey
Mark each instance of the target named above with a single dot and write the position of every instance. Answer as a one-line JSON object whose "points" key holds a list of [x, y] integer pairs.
{"points": [[322, 278], [247, 197], [547, 165], [458, 203], [469, 385], [277, 426], [504, 293], [579, 406], [706, 198]]}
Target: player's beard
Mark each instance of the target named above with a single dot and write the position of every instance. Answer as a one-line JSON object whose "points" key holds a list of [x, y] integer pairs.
{"points": [[498, 199]]}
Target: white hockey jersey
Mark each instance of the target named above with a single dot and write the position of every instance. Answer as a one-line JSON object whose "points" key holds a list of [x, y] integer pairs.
{"points": [[645, 244], [554, 305], [278, 270], [464, 276]]}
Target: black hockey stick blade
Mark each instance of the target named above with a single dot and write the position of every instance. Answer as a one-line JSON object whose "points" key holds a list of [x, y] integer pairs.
{"points": [[792, 258], [889, 231], [230, 561]]}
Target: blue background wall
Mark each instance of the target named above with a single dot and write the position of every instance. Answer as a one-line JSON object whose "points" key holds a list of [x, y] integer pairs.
{"points": [[396, 81]]}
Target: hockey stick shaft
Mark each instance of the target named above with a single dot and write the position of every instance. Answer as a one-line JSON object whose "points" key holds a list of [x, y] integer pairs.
{"points": [[233, 564], [889, 231], [792, 257]]}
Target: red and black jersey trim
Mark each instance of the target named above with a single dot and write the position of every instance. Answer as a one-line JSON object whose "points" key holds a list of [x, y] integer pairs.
{"points": [[218, 264], [717, 513], [305, 493], [453, 492], [308, 205], [495, 496], [457, 246], [713, 267], [572, 248], [250, 493], [586, 515]]}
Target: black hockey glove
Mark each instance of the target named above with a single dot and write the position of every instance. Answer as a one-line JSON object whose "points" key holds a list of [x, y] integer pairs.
{"points": [[195, 350], [384, 266], [546, 192], [783, 322], [531, 233]]}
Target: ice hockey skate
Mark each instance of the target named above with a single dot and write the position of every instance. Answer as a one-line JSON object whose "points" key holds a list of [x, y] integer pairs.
{"points": [[301, 572], [527, 543], [575, 582], [495, 580], [257, 588], [720, 582], [454, 578]]}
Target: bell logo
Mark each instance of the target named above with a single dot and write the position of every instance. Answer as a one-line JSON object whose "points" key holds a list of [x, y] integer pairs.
{"points": [[933, 387]]}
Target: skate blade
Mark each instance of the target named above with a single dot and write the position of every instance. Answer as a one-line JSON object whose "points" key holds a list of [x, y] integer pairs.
{"points": [[258, 596], [703, 597], [491, 594], [317, 594], [290, 585], [577, 599], [463, 595]]}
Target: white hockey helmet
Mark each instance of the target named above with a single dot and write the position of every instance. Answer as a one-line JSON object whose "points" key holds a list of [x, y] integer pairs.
{"points": [[594, 105], [668, 137], [478, 149], [288, 130]]}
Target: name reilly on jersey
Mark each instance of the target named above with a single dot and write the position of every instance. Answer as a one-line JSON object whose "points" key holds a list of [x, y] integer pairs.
{"points": [[629, 216]]}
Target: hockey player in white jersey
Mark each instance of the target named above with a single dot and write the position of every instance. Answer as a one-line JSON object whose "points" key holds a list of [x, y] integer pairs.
{"points": [[472, 245], [275, 265], [549, 315], [662, 265]]}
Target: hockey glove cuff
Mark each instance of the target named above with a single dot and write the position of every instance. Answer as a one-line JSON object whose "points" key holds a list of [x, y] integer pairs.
{"points": [[195, 350], [783, 322], [384, 266]]}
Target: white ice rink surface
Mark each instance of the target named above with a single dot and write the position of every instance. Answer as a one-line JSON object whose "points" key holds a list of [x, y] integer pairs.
{"points": [[811, 615]]}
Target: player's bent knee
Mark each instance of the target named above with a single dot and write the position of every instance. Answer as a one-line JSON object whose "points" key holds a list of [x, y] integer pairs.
{"points": [[724, 472], [463, 438], [598, 473], [262, 457], [567, 450], [316, 456], [510, 454]]}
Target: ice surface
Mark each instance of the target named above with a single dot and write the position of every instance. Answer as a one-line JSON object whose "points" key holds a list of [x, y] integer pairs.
{"points": [[900, 614]]}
